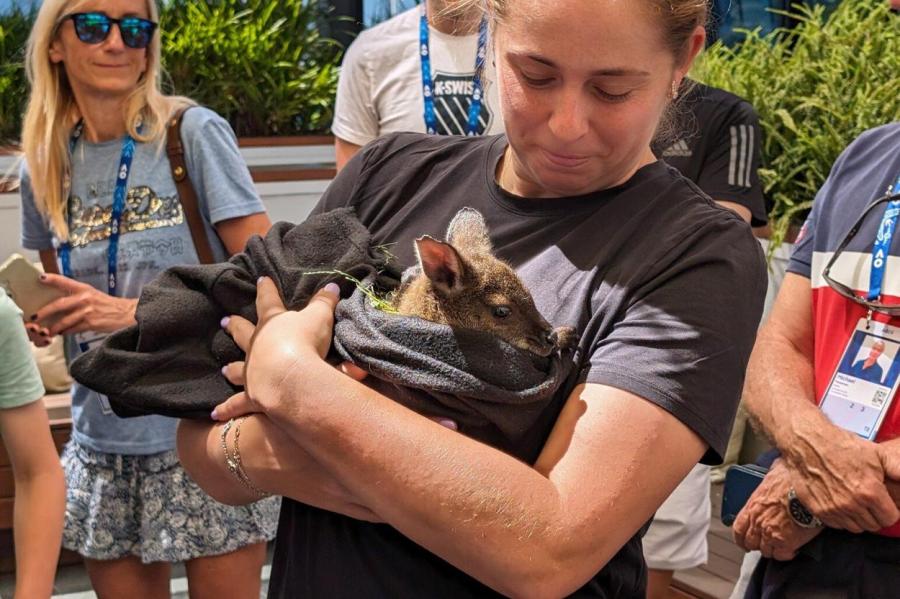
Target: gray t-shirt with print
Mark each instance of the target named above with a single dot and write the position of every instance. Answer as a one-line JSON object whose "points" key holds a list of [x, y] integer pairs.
{"points": [[154, 237]]}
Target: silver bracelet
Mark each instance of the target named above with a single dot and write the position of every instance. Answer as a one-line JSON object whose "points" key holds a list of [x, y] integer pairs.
{"points": [[233, 460]]}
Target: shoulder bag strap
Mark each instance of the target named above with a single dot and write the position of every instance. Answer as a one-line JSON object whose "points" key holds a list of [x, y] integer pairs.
{"points": [[186, 193]]}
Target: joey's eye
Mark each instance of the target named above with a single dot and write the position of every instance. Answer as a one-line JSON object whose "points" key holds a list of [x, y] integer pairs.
{"points": [[501, 311]]}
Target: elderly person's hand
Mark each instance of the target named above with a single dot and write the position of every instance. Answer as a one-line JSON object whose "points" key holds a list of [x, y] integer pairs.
{"points": [[841, 480], [889, 452], [765, 525], [280, 343]]}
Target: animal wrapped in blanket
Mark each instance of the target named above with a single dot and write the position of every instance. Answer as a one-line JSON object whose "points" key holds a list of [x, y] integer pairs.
{"points": [[493, 368]]}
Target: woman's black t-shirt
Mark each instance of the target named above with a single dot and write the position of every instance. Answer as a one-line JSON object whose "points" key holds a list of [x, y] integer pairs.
{"points": [[664, 287]]}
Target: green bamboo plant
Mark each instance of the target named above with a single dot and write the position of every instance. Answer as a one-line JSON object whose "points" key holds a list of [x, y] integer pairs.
{"points": [[262, 64], [816, 87], [14, 28]]}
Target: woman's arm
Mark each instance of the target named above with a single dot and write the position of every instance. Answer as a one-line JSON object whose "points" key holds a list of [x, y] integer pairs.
{"points": [[87, 309], [235, 232], [542, 531], [40, 497], [82, 309], [273, 462]]}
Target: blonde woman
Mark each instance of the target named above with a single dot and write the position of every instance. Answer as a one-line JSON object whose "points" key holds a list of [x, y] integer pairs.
{"points": [[97, 195]]}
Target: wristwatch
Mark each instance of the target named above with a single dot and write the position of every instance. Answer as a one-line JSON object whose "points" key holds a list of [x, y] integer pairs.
{"points": [[798, 512]]}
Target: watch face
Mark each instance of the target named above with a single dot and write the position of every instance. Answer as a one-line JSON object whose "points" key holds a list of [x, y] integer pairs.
{"points": [[799, 513]]}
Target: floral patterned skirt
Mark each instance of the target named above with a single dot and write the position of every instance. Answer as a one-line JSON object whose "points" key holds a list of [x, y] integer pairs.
{"points": [[148, 506]]}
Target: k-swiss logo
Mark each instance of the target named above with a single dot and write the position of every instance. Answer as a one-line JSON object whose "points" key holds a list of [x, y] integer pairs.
{"points": [[452, 99]]}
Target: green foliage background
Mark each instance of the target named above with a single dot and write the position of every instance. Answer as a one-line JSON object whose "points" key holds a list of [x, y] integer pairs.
{"points": [[14, 28], [816, 88], [261, 64]]}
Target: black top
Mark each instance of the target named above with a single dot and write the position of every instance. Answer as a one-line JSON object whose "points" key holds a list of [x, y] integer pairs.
{"points": [[719, 147], [665, 288]]}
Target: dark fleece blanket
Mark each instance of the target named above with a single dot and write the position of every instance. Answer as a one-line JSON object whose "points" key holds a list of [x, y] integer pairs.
{"points": [[170, 362]]}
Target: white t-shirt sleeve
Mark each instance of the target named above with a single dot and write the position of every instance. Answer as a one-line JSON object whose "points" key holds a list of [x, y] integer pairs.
{"points": [[355, 116]]}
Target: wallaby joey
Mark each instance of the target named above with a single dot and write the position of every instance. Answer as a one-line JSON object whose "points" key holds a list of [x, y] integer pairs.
{"points": [[461, 283]]}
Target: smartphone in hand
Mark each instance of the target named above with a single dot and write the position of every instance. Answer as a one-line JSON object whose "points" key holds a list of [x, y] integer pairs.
{"points": [[22, 281], [740, 483]]}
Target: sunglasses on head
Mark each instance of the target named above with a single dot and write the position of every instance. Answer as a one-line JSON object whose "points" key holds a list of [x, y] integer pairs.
{"points": [[94, 27], [845, 290]]}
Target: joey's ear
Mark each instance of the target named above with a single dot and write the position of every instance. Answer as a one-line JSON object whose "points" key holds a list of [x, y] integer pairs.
{"points": [[441, 264], [468, 232]]}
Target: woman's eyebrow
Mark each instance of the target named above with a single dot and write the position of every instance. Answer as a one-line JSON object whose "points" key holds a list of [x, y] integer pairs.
{"points": [[608, 72]]}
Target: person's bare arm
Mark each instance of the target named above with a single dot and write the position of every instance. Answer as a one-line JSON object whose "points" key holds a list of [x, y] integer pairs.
{"points": [[235, 232], [525, 531], [343, 152], [841, 477], [273, 462], [40, 497], [86, 309], [740, 209]]}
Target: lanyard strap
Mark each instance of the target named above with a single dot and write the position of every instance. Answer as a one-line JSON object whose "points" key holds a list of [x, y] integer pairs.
{"points": [[428, 84], [882, 245], [65, 249]]}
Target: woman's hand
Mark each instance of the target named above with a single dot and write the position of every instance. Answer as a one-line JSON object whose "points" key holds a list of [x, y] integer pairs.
{"points": [[82, 309], [37, 334], [273, 352]]}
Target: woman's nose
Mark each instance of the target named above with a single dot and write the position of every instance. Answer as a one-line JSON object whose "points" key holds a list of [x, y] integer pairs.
{"points": [[571, 115], [114, 40]]}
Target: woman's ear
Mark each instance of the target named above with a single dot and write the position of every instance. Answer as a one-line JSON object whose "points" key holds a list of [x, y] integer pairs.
{"points": [[56, 51], [694, 46]]}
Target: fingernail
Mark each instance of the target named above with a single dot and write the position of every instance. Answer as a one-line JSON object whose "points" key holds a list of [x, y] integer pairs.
{"points": [[333, 288], [213, 415], [34, 317], [43, 277], [45, 333], [224, 322], [451, 424], [224, 368], [259, 280]]}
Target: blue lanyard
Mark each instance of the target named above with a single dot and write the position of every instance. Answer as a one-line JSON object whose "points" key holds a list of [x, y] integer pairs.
{"points": [[428, 84], [882, 245], [65, 249]]}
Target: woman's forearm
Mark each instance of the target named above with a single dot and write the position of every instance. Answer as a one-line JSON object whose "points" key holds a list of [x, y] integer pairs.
{"points": [[272, 461], [38, 522], [521, 530]]}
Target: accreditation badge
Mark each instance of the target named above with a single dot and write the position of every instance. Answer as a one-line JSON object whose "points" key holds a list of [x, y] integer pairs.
{"points": [[87, 341], [867, 376]]}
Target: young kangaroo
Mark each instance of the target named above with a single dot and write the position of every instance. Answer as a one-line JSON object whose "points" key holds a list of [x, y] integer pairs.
{"points": [[460, 283]]}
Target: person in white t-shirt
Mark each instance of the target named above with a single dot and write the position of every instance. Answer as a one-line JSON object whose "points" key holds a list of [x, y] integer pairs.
{"points": [[382, 88]]}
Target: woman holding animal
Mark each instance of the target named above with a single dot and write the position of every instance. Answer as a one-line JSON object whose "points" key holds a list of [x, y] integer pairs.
{"points": [[97, 184], [663, 288]]}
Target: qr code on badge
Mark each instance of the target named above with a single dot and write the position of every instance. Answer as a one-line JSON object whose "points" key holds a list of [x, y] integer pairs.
{"points": [[879, 398]]}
